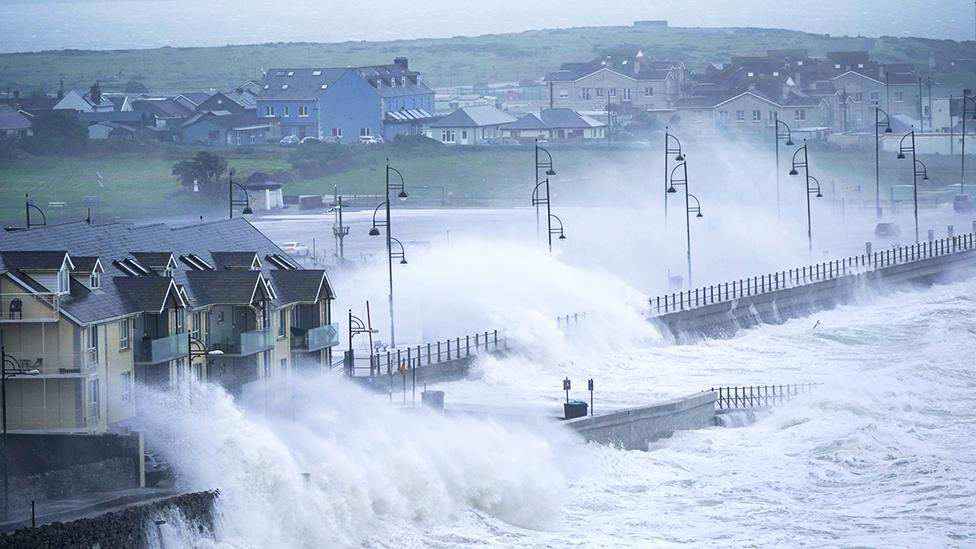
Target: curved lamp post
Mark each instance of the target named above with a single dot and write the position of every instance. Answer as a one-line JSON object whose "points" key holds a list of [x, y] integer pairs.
{"points": [[402, 195], [878, 124], [782, 131], [689, 209], [918, 169], [669, 149], [197, 349], [543, 164], [246, 201], [558, 230], [28, 206], [356, 327], [810, 188]]}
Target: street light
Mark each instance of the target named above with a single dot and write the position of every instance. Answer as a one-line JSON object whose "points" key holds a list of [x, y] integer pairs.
{"points": [[558, 230], [668, 150], [28, 206], [962, 173], [538, 201], [196, 349], [878, 124], [689, 209], [246, 202], [545, 164], [902, 149], [356, 327], [402, 195], [805, 164], [14, 370], [782, 131]]}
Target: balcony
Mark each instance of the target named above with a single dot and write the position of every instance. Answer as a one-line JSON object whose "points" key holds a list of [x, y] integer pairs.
{"points": [[42, 307], [52, 364], [247, 343], [164, 349], [315, 339]]}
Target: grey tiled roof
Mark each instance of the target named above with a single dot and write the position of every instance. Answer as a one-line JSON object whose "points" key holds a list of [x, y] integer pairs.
{"points": [[144, 293], [233, 260], [32, 260], [153, 260], [304, 285], [474, 117], [117, 241]]}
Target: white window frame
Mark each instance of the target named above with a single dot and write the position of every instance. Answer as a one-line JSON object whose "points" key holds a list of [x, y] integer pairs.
{"points": [[287, 112], [95, 280], [649, 91], [757, 115], [125, 386], [899, 96], [282, 323], [800, 115], [269, 112], [740, 115], [303, 111], [365, 132], [564, 94], [337, 132], [64, 281], [93, 399], [125, 331], [179, 320], [612, 92]]}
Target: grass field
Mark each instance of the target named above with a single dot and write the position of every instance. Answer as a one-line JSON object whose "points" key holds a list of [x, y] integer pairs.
{"points": [[444, 62]]}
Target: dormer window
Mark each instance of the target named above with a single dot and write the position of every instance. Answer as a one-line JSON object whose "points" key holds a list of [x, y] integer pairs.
{"points": [[291, 73], [316, 73], [403, 80], [95, 281], [393, 82], [64, 281]]}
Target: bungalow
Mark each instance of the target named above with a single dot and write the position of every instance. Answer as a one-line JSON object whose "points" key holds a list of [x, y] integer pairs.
{"points": [[92, 101], [556, 123], [471, 125], [224, 128], [14, 123]]}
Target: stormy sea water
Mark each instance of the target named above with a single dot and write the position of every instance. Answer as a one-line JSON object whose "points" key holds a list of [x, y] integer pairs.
{"points": [[883, 453]]}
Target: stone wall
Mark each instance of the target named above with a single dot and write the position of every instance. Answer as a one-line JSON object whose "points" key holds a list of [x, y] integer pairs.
{"points": [[635, 428], [131, 528]]}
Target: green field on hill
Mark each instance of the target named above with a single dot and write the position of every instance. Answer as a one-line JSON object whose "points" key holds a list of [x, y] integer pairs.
{"points": [[444, 62]]}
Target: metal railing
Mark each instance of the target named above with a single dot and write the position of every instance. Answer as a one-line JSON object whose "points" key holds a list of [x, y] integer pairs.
{"points": [[810, 274], [429, 354], [570, 320], [163, 349], [758, 396]]}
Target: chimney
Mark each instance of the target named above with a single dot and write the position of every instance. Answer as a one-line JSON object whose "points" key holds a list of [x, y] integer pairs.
{"points": [[61, 89], [402, 63], [95, 93]]}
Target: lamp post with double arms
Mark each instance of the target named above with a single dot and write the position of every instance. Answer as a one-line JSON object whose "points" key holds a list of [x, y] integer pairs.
{"points": [[918, 169], [782, 131], [810, 189], [402, 195], [537, 201], [28, 206], [245, 202], [689, 209], [878, 124], [544, 164], [197, 349], [356, 327], [669, 149]]}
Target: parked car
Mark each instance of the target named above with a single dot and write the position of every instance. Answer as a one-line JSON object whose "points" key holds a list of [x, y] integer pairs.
{"points": [[294, 248], [370, 139], [156, 469], [289, 141], [309, 139], [962, 203], [887, 230]]}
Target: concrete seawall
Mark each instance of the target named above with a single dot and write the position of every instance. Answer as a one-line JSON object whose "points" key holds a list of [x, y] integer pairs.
{"points": [[635, 428], [724, 319]]}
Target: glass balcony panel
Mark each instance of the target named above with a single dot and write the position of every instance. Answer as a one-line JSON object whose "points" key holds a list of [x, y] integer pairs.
{"points": [[323, 337], [256, 341], [164, 349]]}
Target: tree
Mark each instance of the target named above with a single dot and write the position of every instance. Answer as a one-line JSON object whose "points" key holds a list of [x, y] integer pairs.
{"points": [[135, 86], [205, 169], [57, 132]]}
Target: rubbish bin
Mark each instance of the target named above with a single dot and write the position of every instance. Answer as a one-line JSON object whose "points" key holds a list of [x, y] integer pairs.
{"points": [[574, 409], [432, 399]]}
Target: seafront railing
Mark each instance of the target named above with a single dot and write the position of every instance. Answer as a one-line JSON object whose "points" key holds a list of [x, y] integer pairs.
{"points": [[810, 274], [758, 396]]}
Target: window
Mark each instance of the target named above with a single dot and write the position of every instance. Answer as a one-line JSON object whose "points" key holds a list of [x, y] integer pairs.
{"points": [[857, 97], [284, 86], [740, 116], [799, 115], [626, 94], [282, 322], [585, 93], [564, 94], [775, 73], [750, 74], [94, 410], [95, 280], [124, 328], [197, 325], [93, 338], [125, 385], [836, 65], [464, 135], [875, 98], [303, 110], [213, 135], [757, 116], [316, 73], [337, 132], [612, 92], [648, 92], [64, 281], [723, 117], [447, 136], [180, 320], [599, 92], [286, 111], [899, 96], [269, 111], [365, 132]]}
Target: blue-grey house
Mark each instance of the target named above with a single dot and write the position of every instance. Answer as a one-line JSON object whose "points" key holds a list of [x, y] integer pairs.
{"points": [[346, 104]]}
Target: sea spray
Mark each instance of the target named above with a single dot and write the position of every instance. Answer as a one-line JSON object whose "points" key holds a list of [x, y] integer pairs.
{"points": [[324, 463]]}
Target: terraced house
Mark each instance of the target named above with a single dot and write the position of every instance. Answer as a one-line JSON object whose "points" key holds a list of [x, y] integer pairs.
{"points": [[92, 316], [346, 105]]}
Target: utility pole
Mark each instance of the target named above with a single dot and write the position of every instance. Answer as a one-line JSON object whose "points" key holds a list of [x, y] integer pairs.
{"points": [[339, 230]]}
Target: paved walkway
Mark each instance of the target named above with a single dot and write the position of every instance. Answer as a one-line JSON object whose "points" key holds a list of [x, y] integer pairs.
{"points": [[79, 506]]}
